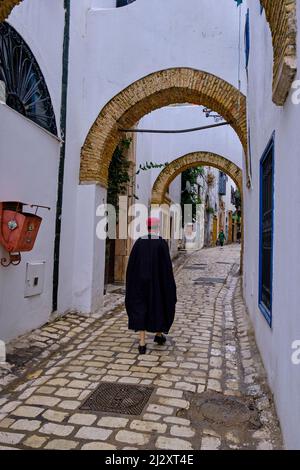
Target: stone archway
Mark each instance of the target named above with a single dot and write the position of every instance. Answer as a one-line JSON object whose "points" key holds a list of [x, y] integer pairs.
{"points": [[178, 85], [282, 18], [169, 173], [6, 6]]}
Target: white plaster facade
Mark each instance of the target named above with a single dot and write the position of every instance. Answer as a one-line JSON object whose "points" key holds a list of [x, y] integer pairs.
{"points": [[264, 118]]}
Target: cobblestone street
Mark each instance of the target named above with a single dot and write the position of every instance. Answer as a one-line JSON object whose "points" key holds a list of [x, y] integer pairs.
{"points": [[209, 386]]}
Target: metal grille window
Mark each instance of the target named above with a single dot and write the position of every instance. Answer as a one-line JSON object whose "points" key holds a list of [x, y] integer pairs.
{"points": [[247, 38], [266, 230], [122, 3], [222, 183], [25, 88]]}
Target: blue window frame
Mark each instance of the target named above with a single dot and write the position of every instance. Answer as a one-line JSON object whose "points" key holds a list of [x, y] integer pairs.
{"points": [[247, 38], [266, 230], [123, 3]]}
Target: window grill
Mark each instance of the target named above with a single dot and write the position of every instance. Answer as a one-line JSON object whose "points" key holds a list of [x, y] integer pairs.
{"points": [[266, 231], [25, 88], [222, 183], [123, 3]]}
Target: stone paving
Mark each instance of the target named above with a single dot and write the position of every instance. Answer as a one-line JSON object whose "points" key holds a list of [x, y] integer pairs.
{"points": [[210, 389]]}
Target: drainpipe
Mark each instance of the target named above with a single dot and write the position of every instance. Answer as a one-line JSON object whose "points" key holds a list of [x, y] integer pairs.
{"points": [[61, 171]]}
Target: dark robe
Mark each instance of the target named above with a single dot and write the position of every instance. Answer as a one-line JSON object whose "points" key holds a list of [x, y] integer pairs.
{"points": [[150, 286]]}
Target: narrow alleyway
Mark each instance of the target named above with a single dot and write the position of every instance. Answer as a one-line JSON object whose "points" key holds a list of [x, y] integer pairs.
{"points": [[208, 390]]}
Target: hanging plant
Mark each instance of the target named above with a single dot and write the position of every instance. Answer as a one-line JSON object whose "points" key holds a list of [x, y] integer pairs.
{"points": [[118, 173], [210, 210], [150, 166]]}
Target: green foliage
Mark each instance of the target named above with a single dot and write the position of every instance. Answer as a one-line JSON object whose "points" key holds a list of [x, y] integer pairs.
{"points": [[210, 210], [238, 199], [151, 166], [191, 175], [118, 174], [189, 194]]}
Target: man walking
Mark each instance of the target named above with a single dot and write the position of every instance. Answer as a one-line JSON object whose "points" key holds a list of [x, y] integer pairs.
{"points": [[150, 287]]}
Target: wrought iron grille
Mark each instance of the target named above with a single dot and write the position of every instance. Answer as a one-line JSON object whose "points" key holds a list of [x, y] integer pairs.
{"points": [[117, 398], [25, 87], [122, 3], [267, 229], [222, 183]]}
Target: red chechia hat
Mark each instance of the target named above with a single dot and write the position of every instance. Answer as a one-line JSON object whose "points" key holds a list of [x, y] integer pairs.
{"points": [[153, 222]]}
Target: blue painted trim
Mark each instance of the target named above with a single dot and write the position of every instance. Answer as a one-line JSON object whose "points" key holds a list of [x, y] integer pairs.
{"points": [[264, 310], [247, 38]]}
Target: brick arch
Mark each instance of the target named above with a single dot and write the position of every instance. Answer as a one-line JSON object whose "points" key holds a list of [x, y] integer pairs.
{"points": [[282, 18], [178, 85], [6, 7], [169, 173]]}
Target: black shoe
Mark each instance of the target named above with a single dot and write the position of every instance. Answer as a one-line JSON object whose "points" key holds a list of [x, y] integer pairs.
{"points": [[142, 349], [160, 339]]}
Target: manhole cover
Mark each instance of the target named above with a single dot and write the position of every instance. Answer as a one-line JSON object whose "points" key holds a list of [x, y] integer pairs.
{"points": [[226, 411], [118, 398]]}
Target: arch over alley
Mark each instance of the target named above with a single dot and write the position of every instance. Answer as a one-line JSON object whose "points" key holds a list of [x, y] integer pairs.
{"points": [[169, 173], [159, 89]]}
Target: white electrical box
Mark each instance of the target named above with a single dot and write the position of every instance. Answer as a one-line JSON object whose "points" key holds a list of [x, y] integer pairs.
{"points": [[35, 276]]}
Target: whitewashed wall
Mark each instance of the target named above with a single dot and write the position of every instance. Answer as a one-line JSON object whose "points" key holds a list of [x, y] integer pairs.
{"points": [[265, 117], [29, 159], [28, 173]]}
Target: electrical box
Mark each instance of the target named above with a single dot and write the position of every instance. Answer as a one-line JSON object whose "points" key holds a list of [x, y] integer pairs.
{"points": [[35, 276]]}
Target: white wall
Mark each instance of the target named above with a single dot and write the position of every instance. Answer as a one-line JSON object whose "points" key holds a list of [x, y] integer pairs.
{"points": [[28, 173], [265, 117], [29, 167]]}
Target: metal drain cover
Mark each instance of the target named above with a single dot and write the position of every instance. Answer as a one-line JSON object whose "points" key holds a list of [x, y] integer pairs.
{"points": [[118, 398], [226, 411]]}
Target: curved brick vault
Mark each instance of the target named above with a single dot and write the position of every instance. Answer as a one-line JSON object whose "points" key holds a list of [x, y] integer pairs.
{"points": [[178, 85], [169, 173], [6, 6], [282, 18]]}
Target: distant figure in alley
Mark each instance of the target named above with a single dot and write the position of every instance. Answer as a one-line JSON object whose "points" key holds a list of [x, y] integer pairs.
{"points": [[150, 287], [222, 238]]}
